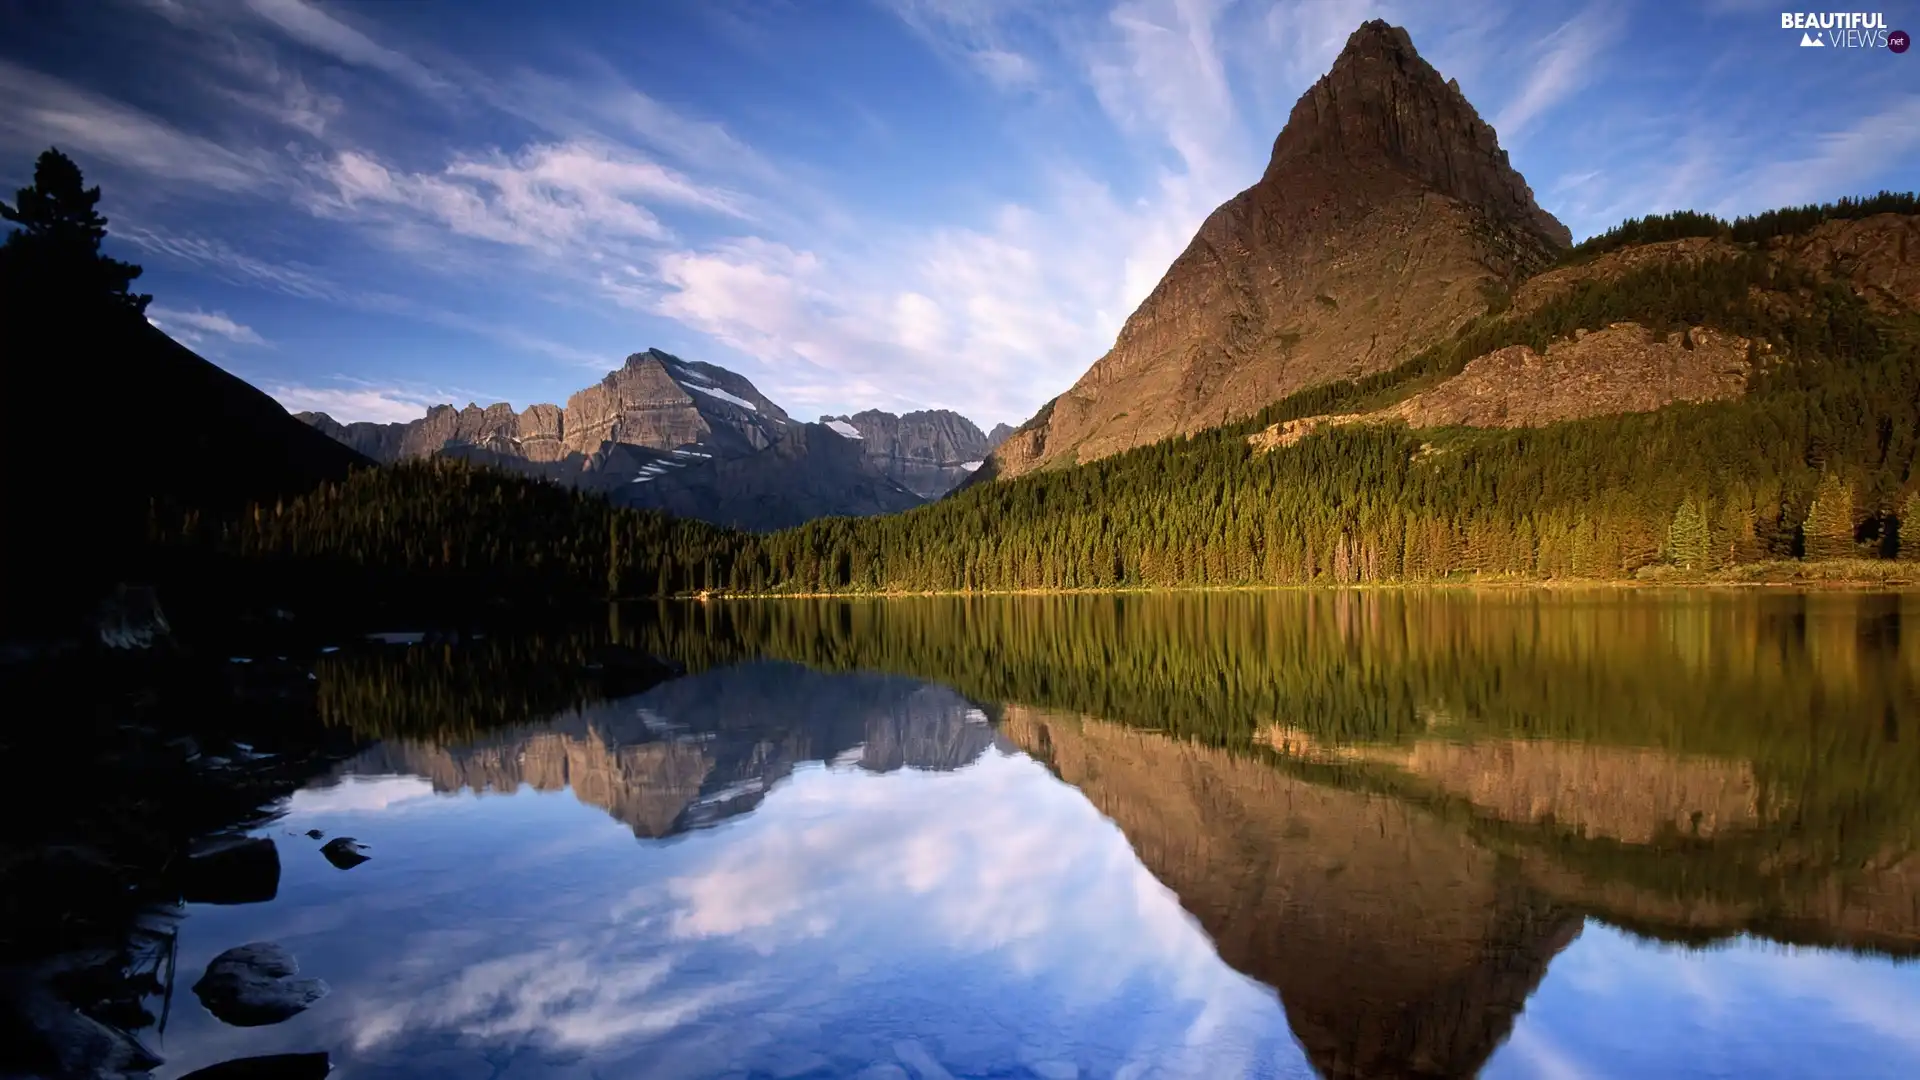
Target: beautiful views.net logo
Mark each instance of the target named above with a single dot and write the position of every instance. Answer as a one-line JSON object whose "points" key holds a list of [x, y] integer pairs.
{"points": [[1844, 30]]}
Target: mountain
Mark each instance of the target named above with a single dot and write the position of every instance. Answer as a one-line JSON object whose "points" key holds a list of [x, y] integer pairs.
{"points": [[659, 432], [1388, 216], [655, 400], [929, 452], [998, 435], [813, 471]]}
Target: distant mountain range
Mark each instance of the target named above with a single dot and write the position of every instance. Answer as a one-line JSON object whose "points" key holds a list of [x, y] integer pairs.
{"points": [[700, 441]]}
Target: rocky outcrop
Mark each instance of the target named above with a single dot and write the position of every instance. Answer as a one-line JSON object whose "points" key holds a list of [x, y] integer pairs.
{"points": [[998, 435], [1878, 257], [1622, 368], [1386, 217], [929, 453]]}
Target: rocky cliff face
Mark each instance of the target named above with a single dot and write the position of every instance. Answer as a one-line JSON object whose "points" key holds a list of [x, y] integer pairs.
{"points": [[929, 453], [1622, 368], [1386, 215], [813, 471]]}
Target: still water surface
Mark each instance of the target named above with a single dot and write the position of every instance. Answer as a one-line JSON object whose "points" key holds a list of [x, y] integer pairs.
{"points": [[1368, 835]]}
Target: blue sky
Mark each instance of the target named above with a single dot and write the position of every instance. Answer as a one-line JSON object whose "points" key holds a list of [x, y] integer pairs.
{"points": [[368, 206]]}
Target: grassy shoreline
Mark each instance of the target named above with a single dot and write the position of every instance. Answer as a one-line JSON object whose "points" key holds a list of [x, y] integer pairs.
{"points": [[1826, 574]]}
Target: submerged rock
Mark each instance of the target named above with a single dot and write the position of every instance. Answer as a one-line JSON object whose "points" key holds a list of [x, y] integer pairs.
{"points": [[131, 619], [49, 1035], [243, 871], [253, 984], [267, 1067], [344, 852]]}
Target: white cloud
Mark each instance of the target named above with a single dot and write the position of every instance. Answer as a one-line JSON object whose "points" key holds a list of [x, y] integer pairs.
{"points": [[1005, 69], [572, 198], [196, 325]]}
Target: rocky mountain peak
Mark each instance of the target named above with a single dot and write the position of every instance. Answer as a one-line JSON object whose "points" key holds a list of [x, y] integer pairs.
{"points": [[1382, 106], [1385, 219]]}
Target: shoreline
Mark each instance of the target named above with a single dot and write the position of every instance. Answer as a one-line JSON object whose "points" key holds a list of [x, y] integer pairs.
{"points": [[1786, 575]]}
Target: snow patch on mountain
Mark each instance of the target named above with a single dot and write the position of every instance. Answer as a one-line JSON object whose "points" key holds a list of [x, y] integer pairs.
{"points": [[724, 396]]}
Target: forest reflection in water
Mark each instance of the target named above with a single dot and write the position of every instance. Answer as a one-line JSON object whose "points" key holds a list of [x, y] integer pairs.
{"points": [[1398, 810]]}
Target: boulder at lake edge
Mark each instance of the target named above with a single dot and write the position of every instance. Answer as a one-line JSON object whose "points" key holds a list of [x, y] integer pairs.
{"points": [[253, 984]]}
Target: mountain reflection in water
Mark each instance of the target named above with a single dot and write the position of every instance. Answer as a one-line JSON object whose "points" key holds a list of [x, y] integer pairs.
{"points": [[1373, 835]]}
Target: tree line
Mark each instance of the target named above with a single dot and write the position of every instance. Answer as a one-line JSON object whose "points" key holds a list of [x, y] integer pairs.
{"points": [[1752, 229]]}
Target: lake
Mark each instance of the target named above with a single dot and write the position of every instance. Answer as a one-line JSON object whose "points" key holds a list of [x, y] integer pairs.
{"points": [[1428, 833]]}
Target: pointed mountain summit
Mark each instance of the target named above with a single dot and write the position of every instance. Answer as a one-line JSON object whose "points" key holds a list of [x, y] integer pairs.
{"points": [[1386, 219]]}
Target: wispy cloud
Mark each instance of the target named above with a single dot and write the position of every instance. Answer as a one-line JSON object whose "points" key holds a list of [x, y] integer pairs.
{"points": [[194, 327], [1566, 64], [976, 34], [227, 263], [1834, 161], [316, 29], [555, 198], [42, 109], [383, 405]]}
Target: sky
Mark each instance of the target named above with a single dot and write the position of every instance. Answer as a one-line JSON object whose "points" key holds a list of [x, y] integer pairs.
{"points": [[370, 206]]}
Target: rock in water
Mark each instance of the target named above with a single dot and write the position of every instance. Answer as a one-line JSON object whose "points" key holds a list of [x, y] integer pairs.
{"points": [[131, 619], [50, 1037], [344, 852], [1387, 217], [253, 985], [267, 1067]]}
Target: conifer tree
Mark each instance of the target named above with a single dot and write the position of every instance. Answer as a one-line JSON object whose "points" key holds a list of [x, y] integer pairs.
{"points": [[1829, 525], [1687, 541], [1910, 528], [55, 250]]}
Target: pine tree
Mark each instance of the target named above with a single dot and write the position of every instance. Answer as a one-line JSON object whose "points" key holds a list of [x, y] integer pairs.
{"points": [[55, 251], [1687, 541], [1910, 528], [1829, 525]]}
